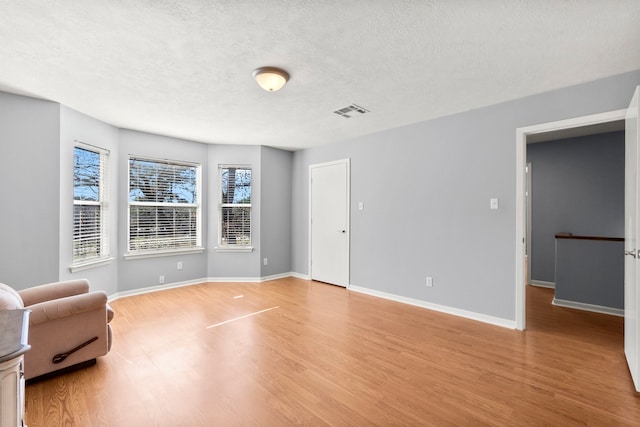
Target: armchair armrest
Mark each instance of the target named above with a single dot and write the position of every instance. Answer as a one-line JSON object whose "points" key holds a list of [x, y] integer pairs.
{"points": [[52, 291], [63, 307]]}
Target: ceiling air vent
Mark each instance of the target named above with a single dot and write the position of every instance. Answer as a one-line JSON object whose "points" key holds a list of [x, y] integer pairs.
{"points": [[351, 110]]}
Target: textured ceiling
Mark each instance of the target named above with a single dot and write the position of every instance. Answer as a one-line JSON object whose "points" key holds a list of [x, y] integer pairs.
{"points": [[183, 68]]}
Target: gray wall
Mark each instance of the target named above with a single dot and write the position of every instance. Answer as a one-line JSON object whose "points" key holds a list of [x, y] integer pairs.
{"points": [[36, 166], [145, 272], [75, 126], [426, 189], [275, 210], [577, 186], [29, 190], [234, 264]]}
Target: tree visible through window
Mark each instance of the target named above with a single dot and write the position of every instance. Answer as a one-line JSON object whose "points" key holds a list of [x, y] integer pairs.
{"points": [[164, 207], [89, 205], [235, 206]]}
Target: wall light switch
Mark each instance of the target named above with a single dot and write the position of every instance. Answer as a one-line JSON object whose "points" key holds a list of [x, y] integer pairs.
{"points": [[493, 203], [360, 206]]}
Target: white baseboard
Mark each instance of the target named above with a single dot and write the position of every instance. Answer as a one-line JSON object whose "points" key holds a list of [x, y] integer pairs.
{"points": [[505, 323], [249, 279], [543, 284], [233, 279], [148, 289], [300, 276], [588, 307], [162, 287]]}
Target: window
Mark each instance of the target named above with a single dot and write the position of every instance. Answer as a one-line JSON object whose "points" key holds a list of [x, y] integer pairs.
{"points": [[235, 207], [89, 205], [164, 206]]}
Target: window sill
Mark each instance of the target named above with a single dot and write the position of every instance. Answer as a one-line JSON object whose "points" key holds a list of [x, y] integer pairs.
{"points": [[232, 249], [155, 254], [86, 265]]}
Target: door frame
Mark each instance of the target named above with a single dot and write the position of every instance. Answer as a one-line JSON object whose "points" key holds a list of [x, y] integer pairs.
{"points": [[521, 161], [528, 173], [347, 162]]}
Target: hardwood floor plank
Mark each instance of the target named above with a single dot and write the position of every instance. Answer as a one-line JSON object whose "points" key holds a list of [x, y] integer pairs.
{"points": [[295, 352]]}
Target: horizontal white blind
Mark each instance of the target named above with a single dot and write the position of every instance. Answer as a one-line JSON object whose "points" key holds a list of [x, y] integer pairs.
{"points": [[89, 210], [163, 205], [235, 206], [162, 227]]}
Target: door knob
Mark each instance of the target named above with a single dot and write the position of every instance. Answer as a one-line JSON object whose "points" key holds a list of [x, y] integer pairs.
{"points": [[631, 252]]}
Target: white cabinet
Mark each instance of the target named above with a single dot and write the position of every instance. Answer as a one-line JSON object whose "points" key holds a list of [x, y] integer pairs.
{"points": [[13, 345], [12, 393]]}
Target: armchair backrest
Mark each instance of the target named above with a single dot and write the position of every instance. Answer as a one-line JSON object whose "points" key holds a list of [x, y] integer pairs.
{"points": [[9, 298]]}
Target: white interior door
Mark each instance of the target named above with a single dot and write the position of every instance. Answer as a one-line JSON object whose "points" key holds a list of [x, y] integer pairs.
{"points": [[329, 222], [631, 241]]}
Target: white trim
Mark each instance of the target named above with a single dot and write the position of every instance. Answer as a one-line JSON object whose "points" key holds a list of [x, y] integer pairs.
{"points": [[275, 276], [197, 205], [521, 212], [497, 321], [202, 281], [155, 254], [543, 284], [521, 158], [234, 279], [249, 279], [588, 307], [149, 289], [102, 202], [300, 276], [229, 248], [90, 147], [80, 266], [234, 249]]}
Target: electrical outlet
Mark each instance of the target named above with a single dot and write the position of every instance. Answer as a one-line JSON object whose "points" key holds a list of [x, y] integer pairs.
{"points": [[161, 280], [429, 281], [179, 265], [266, 261]]}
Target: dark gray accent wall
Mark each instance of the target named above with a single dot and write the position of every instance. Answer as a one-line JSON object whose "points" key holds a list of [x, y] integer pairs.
{"points": [[29, 190], [577, 186], [140, 273], [590, 272], [426, 190], [275, 212]]}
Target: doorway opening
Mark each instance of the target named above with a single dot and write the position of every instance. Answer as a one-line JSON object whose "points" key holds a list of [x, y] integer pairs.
{"points": [[580, 126]]}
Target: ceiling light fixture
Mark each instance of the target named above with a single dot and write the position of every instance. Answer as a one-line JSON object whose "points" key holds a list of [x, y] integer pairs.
{"points": [[270, 78]]}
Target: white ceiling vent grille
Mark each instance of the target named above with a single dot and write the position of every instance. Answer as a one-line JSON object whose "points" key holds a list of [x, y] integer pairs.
{"points": [[351, 110]]}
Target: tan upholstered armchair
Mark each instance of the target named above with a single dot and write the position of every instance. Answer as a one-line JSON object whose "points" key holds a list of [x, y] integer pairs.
{"points": [[68, 325]]}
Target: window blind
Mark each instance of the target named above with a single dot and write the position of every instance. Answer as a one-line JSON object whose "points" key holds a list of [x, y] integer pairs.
{"points": [[164, 207], [89, 199], [235, 206]]}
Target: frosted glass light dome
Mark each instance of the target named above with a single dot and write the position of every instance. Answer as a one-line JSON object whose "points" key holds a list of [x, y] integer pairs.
{"points": [[270, 78]]}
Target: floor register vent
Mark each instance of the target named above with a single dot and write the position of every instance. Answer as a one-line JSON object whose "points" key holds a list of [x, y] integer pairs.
{"points": [[348, 112]]}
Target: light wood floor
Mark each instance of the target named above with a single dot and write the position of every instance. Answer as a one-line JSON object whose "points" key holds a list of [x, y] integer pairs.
{"points": [[322, 355]]}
